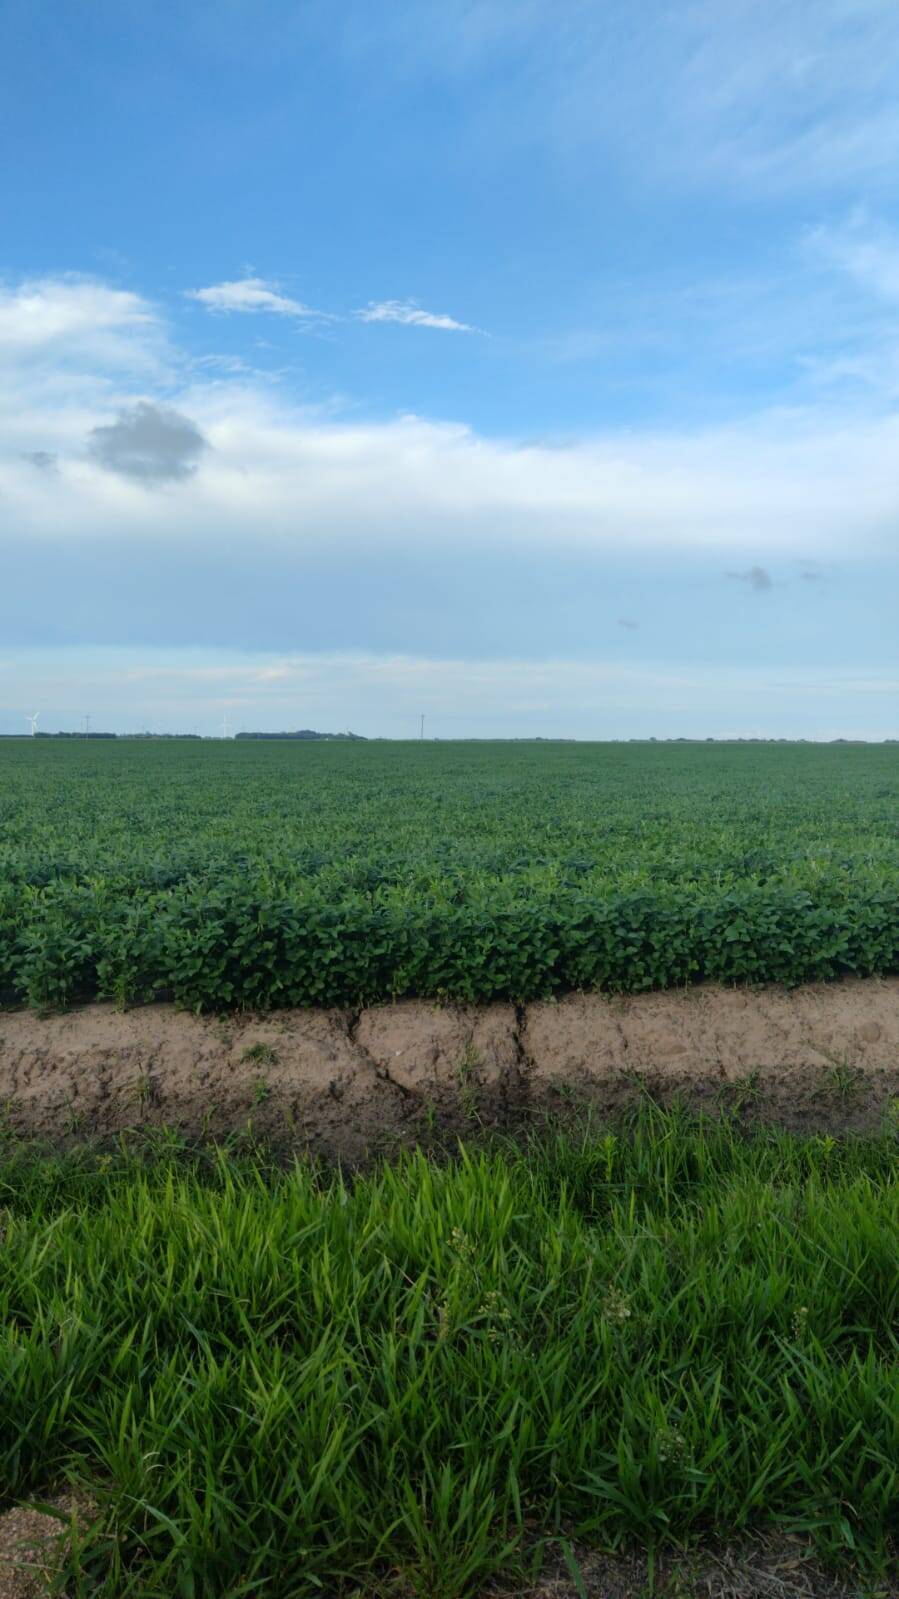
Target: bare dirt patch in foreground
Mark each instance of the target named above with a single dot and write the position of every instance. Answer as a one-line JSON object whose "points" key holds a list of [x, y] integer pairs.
{"points": [[349, 1084], [775, 1567], [33, 1544]]}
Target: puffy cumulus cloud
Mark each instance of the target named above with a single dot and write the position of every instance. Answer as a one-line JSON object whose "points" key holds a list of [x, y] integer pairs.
{"points": [[803, 484], [253, 295], [75, 318], [410, 314], [149, 443], [73, 352]]}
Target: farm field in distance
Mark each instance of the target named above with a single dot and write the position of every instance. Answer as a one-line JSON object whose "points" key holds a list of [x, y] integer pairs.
{"points": [[269, 874]]}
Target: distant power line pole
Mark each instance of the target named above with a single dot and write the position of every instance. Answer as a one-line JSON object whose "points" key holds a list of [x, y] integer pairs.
{"points": [[422, 729], [87, 727]]}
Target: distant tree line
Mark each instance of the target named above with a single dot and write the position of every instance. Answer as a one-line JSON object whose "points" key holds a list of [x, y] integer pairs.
{"points": [[307, 732]]}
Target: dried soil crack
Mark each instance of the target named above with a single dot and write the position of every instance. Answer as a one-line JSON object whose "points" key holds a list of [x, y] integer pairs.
{"points": [[823, 1057]]}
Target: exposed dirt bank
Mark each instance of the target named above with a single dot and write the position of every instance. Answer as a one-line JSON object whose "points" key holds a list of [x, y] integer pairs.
{"points": [[824, 1056]]}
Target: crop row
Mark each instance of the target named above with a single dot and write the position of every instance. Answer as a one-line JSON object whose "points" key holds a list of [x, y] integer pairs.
{"points": [[261, 874], [223, 946]]}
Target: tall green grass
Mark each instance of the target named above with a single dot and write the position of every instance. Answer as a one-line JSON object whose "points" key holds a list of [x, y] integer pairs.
{"points": [[283, 1382]]}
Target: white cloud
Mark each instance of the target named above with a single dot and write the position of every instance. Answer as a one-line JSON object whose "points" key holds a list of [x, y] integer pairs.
{"points": [[274, 475], [256, 294], [410, 314], [278, 479], [75, 318], [802, 484], [73, 349], [253, 294]]}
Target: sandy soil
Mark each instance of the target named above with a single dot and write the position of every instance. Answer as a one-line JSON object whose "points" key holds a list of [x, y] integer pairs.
{"points": [[348, 1084], [772, 1567], [33, 1543]]}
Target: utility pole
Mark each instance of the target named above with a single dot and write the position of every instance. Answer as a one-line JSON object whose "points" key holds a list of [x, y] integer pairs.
{"points": [[87, 727], [422, 730]]}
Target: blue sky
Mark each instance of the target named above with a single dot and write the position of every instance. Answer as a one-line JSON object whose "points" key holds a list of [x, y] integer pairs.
{"points": [[531, 364]]}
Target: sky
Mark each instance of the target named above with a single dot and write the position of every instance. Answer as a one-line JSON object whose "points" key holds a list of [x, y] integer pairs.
{"points": [[529, 365]]}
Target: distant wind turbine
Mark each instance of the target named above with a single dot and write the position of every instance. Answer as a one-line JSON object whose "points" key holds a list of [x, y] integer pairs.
{"points": [[33, 721]]}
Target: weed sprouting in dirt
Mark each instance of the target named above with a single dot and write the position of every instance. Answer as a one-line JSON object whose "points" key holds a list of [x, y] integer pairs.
{"points": [[261, 1054]]}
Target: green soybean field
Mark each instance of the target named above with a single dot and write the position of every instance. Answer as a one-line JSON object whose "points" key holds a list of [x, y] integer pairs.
{"points": [[260, 874]]}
